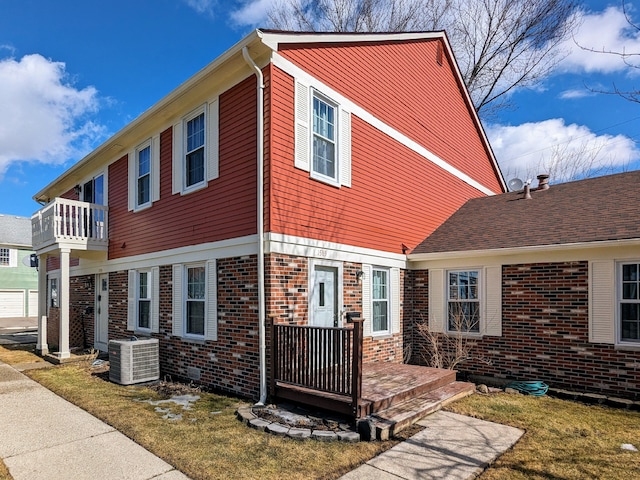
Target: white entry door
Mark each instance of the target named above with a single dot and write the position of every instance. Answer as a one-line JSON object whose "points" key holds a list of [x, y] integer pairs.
{"points": [[324, 297], [102, 312]]}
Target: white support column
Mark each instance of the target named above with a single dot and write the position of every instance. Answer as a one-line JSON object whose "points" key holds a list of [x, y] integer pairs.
{"points": [[64, 303], [41, 347]]}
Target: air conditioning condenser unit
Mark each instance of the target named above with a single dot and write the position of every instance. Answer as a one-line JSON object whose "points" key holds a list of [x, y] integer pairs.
{"points": [[134, 361]]}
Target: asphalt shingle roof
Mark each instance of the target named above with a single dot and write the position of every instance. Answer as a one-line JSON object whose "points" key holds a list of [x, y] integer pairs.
{"points": [[15, 231], [591, 210]]}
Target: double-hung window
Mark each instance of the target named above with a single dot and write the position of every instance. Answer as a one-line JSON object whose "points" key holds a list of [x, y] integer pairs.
{"points": [[629, 302], [5, 257], [143, 175], [143, 314], [195, 300], [324, 162], [463, 301], [380, 300], [194, 150]]}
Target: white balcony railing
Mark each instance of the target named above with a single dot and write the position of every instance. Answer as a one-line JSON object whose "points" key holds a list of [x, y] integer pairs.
{"points": [[70, 223]]}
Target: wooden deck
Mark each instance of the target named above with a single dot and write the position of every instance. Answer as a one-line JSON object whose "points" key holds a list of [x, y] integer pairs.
{"points": [[395, 396]]}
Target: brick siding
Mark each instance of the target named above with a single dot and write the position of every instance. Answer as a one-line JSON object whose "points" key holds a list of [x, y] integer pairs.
{"points": [[545, 333]]}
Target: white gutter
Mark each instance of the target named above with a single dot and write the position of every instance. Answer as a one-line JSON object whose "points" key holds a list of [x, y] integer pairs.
{"points": [[261, 295]]}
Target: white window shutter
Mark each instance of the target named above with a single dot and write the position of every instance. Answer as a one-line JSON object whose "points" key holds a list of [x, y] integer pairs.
{"points": [[155, 299], [344, 148], [155, 168], [213, 126], [176, 328], [395, 300], [367, 313], [131, 301], [13, 258], [492, 321], [437, 320], [211, 332], [602, 302], [302, 128], [132, 180], [176, 177]]}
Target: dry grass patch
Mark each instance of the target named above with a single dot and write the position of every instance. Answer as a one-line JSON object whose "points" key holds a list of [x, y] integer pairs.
{"points": [[4, 472], [563, 439], [16, 354], [208, 442]]}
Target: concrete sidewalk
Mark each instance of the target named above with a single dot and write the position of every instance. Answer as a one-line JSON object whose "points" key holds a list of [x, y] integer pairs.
{"points": [[451, 447], [45, 437]]}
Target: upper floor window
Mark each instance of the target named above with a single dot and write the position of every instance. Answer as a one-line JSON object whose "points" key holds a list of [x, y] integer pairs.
{"points": [[322, 136], [143, 175], [5, 257], [324, 139], [195, 149], [380, 299], [93, 190], [629, 302], [463, 301]]}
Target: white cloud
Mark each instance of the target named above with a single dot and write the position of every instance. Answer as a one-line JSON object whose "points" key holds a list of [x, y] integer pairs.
{"points": [[252, 13], [564, 151], [576, 93], [607, 31], [202, 6], [43, 118]]}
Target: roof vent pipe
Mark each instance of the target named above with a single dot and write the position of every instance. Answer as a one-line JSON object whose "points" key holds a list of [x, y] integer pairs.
{"points": [[543, 181], [527, 191]]}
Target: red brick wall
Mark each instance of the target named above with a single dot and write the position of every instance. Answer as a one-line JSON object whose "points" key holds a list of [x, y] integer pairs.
{"points": [[545, 334]]}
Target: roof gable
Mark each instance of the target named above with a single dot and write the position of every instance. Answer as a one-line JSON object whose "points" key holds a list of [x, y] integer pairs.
{"points": [[15, 231]]}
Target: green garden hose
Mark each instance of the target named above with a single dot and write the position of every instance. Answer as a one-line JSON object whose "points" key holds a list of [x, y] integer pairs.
{"points": [[530, 388]]}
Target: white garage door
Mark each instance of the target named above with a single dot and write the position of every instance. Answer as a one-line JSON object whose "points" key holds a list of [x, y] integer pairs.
{"points": [[11, 303], [33, 303]]}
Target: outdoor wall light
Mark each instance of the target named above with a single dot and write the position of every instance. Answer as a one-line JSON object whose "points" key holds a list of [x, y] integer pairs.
{"points": [[359, 275], [77, 189]]}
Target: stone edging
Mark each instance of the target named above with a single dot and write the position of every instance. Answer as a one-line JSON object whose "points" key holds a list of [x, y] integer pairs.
{"points": [[246, 416]]}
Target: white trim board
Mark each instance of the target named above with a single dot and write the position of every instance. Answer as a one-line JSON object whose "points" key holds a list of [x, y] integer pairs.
{"points": [[296, 72], [311, 248]]}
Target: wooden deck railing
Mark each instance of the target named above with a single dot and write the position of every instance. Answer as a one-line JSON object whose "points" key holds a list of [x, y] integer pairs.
{"points": [[318, 366]]}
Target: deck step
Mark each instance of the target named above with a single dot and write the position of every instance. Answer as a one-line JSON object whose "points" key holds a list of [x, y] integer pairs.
{"points": [[392, 420]]}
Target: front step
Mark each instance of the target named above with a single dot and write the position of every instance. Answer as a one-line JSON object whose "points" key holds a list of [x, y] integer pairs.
{"points": [[392, 420]]}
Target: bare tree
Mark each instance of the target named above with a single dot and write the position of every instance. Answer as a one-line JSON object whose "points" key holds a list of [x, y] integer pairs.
{"points": [[499, 44], [631, 59]]}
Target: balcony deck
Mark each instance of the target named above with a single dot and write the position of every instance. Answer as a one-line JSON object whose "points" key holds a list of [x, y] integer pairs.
{"points": [[70, 224]]}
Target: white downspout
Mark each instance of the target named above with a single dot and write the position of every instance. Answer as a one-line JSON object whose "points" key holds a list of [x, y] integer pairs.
{"points": [[261, 294]]}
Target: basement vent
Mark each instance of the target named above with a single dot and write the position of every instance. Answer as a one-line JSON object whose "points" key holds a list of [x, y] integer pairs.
{"points": [[134, 361]]}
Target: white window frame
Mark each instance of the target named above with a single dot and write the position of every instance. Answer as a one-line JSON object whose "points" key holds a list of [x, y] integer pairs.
{"points": [[186, 301], [5, 263], [210, 110], [304, 135], [619, 285], [179, 281], [335, 179], [148, 298], [149, 174], [185, 149], [387, 273], [478, 301]]}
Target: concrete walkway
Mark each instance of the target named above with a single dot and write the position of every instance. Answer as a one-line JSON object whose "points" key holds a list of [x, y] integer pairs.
{"points": [[42, 436], [451, 447]]}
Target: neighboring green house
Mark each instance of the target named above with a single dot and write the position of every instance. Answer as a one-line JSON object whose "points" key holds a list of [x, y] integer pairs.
{"points": [[18, 280]]}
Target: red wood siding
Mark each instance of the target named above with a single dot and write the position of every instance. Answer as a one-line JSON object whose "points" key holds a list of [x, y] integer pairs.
{"points": [[401, 84], [396, 195], [225, 209]]}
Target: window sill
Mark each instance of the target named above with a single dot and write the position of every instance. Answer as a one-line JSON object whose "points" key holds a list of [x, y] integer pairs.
{"points": [[627, 347], [326, 180], [142, 208], [193, 188]]}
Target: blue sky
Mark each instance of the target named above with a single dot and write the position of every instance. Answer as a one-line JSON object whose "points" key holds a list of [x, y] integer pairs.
{"points": [[74, 72]]}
